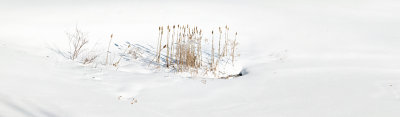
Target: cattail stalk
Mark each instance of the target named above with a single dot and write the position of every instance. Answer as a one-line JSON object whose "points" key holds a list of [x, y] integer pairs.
{"points": [[117, 63], [108, 49], [172, 45], [219, 43], [167, 57], [159, 47], [212, 49], [233, 48]]}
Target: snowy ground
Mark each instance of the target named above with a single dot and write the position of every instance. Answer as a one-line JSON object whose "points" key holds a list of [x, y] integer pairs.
{"points": [[325, 58]]}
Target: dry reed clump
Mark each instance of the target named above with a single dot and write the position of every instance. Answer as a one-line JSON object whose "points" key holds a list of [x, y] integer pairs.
{"points": [[185, 49], [77, 41]]}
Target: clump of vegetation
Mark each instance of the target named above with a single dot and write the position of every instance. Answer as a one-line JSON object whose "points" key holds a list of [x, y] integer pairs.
{"points": [[187, 50], [77, 41], [180, 48]]}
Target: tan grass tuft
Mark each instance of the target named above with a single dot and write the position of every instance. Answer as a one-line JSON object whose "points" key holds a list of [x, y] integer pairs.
{"points": [[184, 49]]}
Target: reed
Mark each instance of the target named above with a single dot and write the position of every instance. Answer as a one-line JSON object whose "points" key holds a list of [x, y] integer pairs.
{"points": [[172, 45], [225, 49], [184, 49], [119, 60], [167, 57], [159, 44], [219, 42], [212, 52], [108, 48], [234, 44]]}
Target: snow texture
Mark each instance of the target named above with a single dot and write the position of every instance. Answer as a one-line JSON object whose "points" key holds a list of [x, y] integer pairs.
{"points": [[337, 58]]}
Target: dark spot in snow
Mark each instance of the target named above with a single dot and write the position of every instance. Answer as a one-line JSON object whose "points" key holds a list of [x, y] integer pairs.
{"points": [[116, 44], [243, 72]]}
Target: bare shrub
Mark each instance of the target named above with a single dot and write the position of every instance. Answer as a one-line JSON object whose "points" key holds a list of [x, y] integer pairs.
{"points": [[77, 41]]}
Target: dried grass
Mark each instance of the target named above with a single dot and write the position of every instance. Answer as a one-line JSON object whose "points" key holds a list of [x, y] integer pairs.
{"points": [[90, 59], [184, 51]]}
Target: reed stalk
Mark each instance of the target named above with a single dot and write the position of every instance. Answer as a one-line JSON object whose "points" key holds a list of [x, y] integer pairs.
{"points": [[108, 49]]}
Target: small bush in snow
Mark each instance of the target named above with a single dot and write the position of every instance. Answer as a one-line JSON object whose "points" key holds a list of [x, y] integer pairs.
{"points": [[77, 41]]}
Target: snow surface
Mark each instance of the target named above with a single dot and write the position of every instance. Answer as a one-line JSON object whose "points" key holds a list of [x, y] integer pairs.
{"points": [[303, 58]]}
